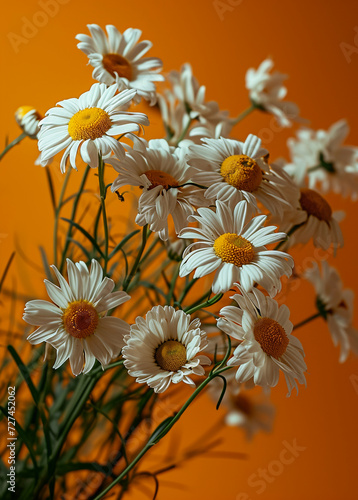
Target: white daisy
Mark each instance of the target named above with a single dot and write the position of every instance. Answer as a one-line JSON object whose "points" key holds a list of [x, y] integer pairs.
{"points": [[161, 171], [164, 348], [336, 306], [267, 345], [175, 118], [188, 91], [235, 171], [322, 157], [76, 324], [249, 411], [28, 118], [89, 124], [313, 219], [267, 91], [118, 58], [233, 245]]}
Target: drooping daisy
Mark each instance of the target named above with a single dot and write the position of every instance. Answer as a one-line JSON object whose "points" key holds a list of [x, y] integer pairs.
{"points": [[313, 219], [245, 409], [233, 245], [161, 171], [188, 91], [321, 157], [267, 93], [174, 116], [28, 118], [118, 58], [89, 125], [76, 324], [164, 348], [235, 171], [336, 306], [267, 345]]}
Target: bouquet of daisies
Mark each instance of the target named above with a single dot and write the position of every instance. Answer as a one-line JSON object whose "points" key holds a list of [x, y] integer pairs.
{"points": [[169, 276]]}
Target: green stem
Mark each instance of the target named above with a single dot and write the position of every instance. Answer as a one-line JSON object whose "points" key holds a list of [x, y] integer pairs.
{"points": [[52, 190], [73, 216], [57, 214], [12, 144], [185, 131], [138, 259], [155, 439], [102, 190], [307, 320], [290, 232], [245, 113], [172, 284], [208, 303]]}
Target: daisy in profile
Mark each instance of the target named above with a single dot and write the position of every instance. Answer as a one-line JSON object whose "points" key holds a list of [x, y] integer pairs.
{"points": [[163, 174], [118, 58], [247, 410], [75, 324], [233, 244], [313, 219], [235, 171], [321, 157], [267, 345], [336, 306], [164, 348], [28, 118], [267, 92], [89, 125], [175, 118], [187, 90]]}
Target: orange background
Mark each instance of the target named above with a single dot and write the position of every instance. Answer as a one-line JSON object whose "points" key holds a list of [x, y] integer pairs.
{"points": [[305, 40]]}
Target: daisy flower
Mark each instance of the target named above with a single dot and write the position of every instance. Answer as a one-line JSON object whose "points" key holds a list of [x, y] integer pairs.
{"points": [[118, 58], [313, 219], [251, 412], [161, 171], [175, 118], [322, 157], [88, 125], [187, 90], [235, 171], [267, 345], [232, 243], [76, 324], [267, 93], [164, 348], [336, 306], [28, 118]]}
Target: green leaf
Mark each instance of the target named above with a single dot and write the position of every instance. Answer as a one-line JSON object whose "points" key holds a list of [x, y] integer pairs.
{"points": [[160, 431], [85, 233], [122, 243], [63, 469], [25, 373]]}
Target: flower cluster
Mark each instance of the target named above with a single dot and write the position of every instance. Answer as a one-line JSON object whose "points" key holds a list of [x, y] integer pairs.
{"points": [[223, 211]]}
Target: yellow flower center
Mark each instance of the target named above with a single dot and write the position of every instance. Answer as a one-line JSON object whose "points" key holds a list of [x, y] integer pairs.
{"points": [[271, 337], [243, 404], [22, 111], [89, 123], [114, 63], [159, 178], [234, 249], [314, 204], [171, 355], [80, 319], [242, 172]]}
